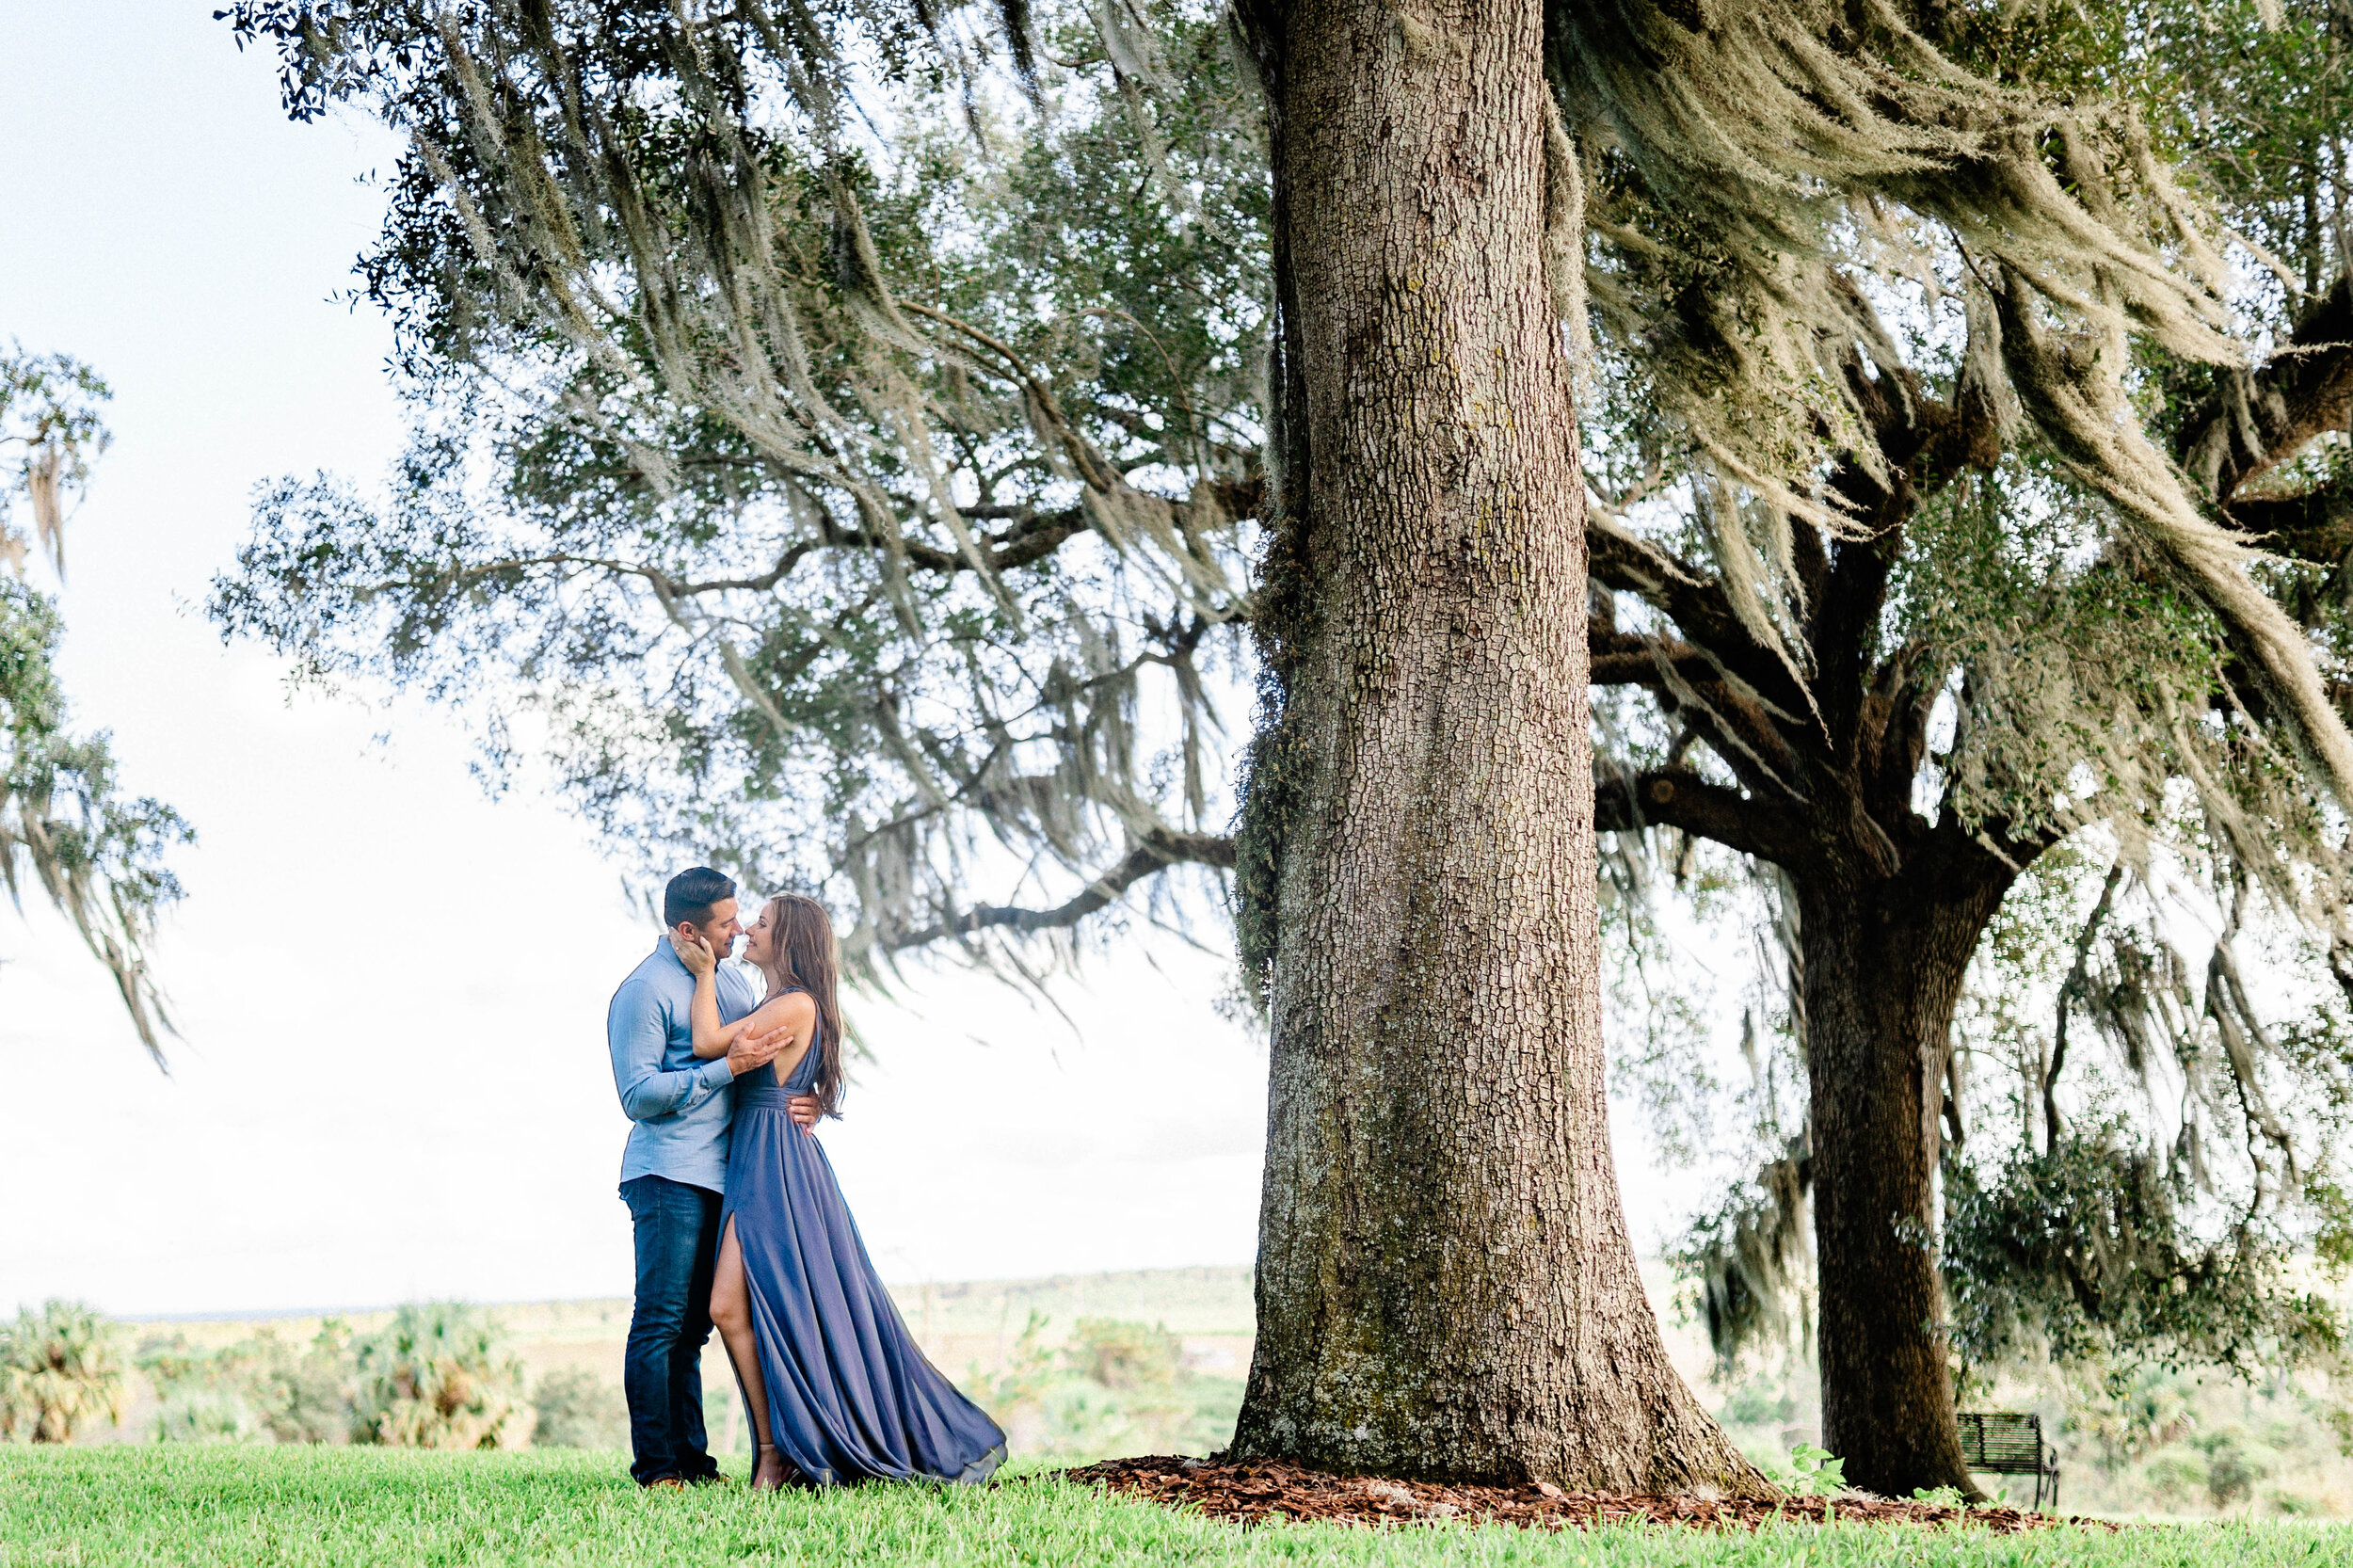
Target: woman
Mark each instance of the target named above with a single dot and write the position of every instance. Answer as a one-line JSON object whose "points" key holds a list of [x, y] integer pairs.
{"points": [[836, 1387]]}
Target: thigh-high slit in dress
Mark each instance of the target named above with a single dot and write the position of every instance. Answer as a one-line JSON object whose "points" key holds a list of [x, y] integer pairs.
{"points": [[850, 1396]]}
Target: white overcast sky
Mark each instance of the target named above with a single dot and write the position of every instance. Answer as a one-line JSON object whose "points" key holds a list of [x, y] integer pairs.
{"points": [[392, 1081]]}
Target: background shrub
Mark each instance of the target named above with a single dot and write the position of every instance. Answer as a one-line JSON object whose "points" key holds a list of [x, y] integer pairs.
{"points": [[292, 1395], [1124, 1356], [578, 1409], [208, 1416], [439, 1376], [59, 1368]]}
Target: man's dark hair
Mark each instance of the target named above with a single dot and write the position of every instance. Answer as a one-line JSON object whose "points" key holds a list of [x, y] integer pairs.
{"points": [[690, 894]]}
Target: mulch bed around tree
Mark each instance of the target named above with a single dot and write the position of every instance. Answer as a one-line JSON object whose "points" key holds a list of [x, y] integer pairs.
{"points": [[1253, 1493]]}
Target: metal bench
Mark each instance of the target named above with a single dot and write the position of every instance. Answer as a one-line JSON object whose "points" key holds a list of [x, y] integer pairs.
{"points": [[1999, 1443]]}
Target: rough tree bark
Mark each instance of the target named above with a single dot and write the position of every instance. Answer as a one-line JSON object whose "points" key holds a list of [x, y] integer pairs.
{"points": [[1883, 964], [1445, 1283], [1890, 909]]}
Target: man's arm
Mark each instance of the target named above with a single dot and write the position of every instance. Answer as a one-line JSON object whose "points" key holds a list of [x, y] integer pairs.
{"points": [[636, 1032]]}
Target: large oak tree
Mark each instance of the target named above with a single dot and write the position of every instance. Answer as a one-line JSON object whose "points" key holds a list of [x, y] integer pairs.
{"points": [[649, 261], [871, 461]]}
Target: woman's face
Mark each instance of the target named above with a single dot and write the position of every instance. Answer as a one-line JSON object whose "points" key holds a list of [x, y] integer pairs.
{"points": [[757, 941]]}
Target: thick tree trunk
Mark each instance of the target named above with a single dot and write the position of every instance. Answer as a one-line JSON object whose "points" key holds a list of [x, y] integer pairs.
{"points": [[1885, 961], [1445, 1283]]}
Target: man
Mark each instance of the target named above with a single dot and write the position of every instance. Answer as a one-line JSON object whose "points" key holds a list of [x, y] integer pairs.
{"points": [[675, 1167]]}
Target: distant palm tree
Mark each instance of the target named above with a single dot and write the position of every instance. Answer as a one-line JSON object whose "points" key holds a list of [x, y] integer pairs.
{"points": [[58, 1368], [438, 1377]]}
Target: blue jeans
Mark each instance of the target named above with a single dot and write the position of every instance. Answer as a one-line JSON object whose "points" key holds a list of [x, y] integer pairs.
{"points": [[662, 1375]]}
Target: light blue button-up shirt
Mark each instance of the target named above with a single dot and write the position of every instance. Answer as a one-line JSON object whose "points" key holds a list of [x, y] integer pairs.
{"points": [[679, 1105]]}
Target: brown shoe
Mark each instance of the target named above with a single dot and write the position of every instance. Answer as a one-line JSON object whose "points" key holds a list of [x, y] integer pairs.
{"points": [[665, 1483]]}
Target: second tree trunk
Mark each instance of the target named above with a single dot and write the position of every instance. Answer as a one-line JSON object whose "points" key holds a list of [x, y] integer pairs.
{"points": [[1884, 962]]}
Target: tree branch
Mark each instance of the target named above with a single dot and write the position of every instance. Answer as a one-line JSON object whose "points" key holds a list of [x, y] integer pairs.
{"points": [[1679, 798], [1894, 733], [2258, 420], [1032, 536], [1923, 442], [1697, 606], [1690, 685], [1622, 659], [1159, 850], [2316, 526]]}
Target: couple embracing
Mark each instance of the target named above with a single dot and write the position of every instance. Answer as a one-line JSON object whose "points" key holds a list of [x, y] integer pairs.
{"points": [[739, 1223]]}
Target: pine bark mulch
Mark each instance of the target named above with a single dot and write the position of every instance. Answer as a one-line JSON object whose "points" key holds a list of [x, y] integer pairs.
{"points": [[1253, 1493]]}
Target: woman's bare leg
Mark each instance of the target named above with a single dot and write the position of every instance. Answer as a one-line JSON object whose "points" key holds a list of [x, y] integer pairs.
{"points": [[732, 1310]]}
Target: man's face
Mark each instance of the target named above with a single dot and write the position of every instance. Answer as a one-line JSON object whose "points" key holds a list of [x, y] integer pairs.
{"points": [[720, 931]]}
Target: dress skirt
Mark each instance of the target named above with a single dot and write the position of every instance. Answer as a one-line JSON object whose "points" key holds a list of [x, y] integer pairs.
{"points": [[850, 1396]]}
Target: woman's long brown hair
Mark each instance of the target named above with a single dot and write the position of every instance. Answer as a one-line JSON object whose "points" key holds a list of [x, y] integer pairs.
{"points": [[803, 955]]}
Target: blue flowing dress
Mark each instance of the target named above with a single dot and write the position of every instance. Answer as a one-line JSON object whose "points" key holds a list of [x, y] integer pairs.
{"points": [[850, 1395]]}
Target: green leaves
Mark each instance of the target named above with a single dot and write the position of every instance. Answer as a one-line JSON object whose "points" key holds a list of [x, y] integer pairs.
{"points": [[863, 514], [96, 854], [437, 1376], [2090, 1253], [60, 1369], [49, 433], [1814, 1471]]}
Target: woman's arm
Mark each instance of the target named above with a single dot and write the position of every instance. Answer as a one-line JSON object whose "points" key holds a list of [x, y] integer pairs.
{"points": [[712, 1039], [792, 1014]]}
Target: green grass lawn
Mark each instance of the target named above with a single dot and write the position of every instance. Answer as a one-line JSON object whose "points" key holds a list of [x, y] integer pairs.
{"points": [[182, 1505]]}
